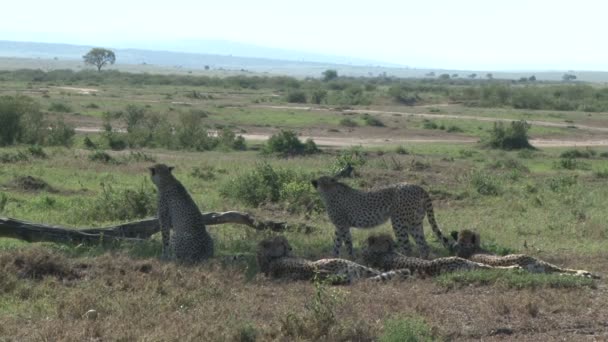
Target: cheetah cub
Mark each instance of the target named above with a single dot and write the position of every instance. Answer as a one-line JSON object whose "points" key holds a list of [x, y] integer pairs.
{"points": [[380, 253], [468, 246], [190, 241], [275, 260], [405, 204]]}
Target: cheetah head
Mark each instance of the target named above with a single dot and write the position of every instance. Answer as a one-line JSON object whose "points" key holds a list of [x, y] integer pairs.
{"points": [[159, 171], [380, 244], [325, 183], [271, 249], [467, 243]]}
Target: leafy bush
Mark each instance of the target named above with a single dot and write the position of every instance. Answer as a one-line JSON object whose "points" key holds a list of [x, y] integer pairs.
{"points": [[37, 151], [101, 156], [353, 156], [286, 143], [515, 136], [571, 164], [22, 121], [401, 150], [348, 122], [122, 204], [89, 144], [372, 121], [428, 124], [403, 94], [318, 96], [575, 153], [406, 329], [60, 134], [267, 184], [561, 183], [296, 96], [60, 107]]}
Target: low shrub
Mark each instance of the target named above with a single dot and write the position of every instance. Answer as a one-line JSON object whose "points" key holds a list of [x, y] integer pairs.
{"points": [[485, 184], [406, 329], [286, 143], [514, 136], [372, 121], [113, 204]]}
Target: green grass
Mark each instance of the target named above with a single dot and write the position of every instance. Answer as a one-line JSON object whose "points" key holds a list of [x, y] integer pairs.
{"points": [[512, 279]]}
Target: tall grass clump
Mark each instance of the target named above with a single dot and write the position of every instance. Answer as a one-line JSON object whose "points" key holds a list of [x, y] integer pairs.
{"points": [[485, 183], [509, 137], [406, 329]]}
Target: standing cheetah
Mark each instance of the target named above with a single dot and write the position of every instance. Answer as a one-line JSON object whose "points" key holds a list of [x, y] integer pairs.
{"points": [[380, 253], [405, 204], [275, 260], [190, 241], [468, 246]]}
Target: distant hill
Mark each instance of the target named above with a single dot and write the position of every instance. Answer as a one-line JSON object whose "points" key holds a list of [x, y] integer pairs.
{"points": [[54, 56]]}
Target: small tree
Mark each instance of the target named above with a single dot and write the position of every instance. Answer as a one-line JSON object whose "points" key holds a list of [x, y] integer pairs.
{"points": [[568, 77], [489, 76], [472, 76], [532, 78], [430, 74], [99, 57], [330, 74]]}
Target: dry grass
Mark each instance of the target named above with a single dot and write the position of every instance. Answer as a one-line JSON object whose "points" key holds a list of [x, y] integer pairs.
{"points": [[45, 296]]}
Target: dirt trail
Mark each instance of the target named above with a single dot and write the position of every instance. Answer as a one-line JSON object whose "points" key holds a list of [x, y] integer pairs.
{"points": [[443, 116], [375, 142]]}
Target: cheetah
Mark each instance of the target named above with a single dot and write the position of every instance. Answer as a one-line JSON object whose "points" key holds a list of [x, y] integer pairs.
{"points": [[190, 241], [468, 246], [405, 204], [275, 260], [380, 253]]}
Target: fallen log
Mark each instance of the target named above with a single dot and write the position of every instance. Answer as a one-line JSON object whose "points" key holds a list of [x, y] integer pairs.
{"points": [[131, 231]]}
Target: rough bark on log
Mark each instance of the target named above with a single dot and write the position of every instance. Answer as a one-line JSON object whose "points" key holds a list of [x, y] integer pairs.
{"points": [[133, 231]]}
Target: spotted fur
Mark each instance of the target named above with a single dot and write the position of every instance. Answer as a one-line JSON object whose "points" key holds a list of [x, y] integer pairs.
{"points": [[405, 204], [468, 246], [275, 260], [190, 241], [380, 253]]}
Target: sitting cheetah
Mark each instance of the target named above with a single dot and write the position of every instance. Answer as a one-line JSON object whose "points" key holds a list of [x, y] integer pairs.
{"points": [[190, 241], [405, 204], [380, 253], [275, 260], [468, 246]]}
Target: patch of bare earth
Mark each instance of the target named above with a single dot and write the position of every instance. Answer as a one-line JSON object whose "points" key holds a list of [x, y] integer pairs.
{"points": [[150, 300]]}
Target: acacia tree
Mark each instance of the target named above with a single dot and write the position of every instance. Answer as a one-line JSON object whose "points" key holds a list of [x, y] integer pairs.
{"points": [[99, 57], [330, 74]]}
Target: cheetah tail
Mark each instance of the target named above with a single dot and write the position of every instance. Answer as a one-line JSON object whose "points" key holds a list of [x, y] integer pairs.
{"points": [[430, 213]]}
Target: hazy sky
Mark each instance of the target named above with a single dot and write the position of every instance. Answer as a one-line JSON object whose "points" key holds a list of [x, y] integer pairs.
{"points": [[465, 34]]}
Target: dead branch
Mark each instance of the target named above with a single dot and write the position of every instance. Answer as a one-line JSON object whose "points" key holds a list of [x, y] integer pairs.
{"points": [[131, 231]]}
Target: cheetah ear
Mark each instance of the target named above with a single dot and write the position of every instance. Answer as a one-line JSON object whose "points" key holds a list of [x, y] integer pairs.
{"points": [[454, 234], [314, 183], [152, 170], [171, 168], [475, 239]]}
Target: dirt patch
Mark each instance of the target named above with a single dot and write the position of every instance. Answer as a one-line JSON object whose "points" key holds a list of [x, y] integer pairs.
{"points": [[30, 184], [38, 263], [84, 91]]}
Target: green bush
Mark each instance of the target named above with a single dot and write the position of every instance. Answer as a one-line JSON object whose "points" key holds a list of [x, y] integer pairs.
{"points": [[571, 164], [60, 134], [354, 156], [286, 143], [406, 329], [403, 94], [428, 124], [21, 121], [296, 96], [60, 107], [101, 156], [348, 122], [318, 96], [122, 204], [515, 136], [267, 184], [575, 153], [372, 121]]}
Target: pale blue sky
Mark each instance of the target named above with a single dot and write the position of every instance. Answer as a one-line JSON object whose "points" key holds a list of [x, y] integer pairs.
{"points": [[465, 34]]}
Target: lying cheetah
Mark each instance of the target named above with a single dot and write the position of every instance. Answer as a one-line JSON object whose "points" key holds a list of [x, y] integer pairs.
{"points": [[468, 246], [275, 260], [380, 253], [190, 241], [405, 204]]}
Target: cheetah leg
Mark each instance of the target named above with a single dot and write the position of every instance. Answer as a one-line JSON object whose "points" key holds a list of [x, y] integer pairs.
{"points": [[164, 218], [417, 233], [348, 241], [402, 237], [341, 233]]}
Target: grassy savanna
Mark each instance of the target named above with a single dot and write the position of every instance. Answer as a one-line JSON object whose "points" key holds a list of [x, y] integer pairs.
{"points": [[547, 202]]}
